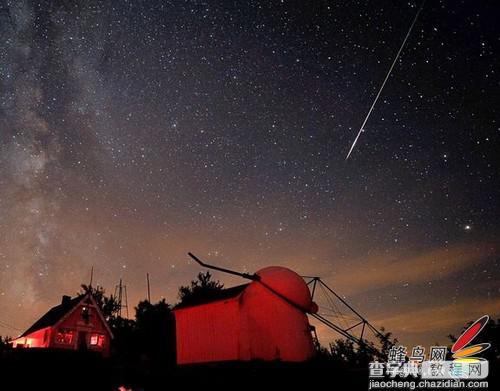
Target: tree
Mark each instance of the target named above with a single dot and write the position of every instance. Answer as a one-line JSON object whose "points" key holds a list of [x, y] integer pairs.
{"points": [[387, 341], [5, 343], [154, 328], [147, 314], [200, 290], [345, 352]]}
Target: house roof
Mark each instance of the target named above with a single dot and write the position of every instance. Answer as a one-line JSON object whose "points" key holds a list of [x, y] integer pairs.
{"points": [[59, 312], [223, 294], [53, 315]]}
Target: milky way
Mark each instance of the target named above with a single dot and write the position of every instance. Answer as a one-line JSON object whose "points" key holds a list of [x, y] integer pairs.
{"points": [[134, 132]]}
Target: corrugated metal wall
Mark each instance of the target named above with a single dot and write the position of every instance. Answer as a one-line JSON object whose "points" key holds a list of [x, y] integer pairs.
{"points": [[255, 325], [208, 333]]}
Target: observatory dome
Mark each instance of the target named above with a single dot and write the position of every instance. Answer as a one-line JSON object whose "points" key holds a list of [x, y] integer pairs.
{"points": [[288, 284]]}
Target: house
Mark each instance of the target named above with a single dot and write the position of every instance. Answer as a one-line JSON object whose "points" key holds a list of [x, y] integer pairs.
{"points": [[75, 324], [263, 320]]}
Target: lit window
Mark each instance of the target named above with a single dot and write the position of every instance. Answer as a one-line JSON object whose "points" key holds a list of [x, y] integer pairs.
{"points": [[64, 337], [97, 340]]}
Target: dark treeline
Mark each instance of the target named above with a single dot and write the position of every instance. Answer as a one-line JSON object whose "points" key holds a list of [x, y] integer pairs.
{"points": [[143, 355]]}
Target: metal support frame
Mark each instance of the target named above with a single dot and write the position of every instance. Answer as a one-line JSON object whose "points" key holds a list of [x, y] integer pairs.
{"points": [[347, 331]]}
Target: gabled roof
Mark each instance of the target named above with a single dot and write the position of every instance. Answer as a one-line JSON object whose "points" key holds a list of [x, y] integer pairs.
{"points": [[58, 313], [53, 315], [223, 294]]}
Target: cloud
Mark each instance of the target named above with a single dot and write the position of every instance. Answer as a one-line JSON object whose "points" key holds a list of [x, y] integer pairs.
{"points": [[426, 325], [409, 319], [379, 271], [451, 317]]}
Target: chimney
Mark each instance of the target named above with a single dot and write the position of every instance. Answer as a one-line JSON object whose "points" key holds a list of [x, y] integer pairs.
{"points": [[65, 300]]}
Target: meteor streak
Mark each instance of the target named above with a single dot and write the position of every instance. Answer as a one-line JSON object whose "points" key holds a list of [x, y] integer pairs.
{"points": [[361, 130]]}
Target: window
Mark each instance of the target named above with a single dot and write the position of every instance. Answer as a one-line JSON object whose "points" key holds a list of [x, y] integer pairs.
{"points": [[64, 337], [97, 340]]}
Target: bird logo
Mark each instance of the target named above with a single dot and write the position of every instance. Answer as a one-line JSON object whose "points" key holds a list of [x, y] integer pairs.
{"points": [[462, 352]]}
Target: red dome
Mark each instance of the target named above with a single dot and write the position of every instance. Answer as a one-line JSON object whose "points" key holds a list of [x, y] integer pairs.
{"points": [[288, 284]]}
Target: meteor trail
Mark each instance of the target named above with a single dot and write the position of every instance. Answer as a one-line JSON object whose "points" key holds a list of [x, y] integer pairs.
{"points": [[361, 130]]}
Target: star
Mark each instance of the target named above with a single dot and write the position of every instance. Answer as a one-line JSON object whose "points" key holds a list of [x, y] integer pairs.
{"points": [[132, 133]]}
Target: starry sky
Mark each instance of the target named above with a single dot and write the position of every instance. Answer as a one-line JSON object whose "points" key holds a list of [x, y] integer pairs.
{"points": [[132, 132]]}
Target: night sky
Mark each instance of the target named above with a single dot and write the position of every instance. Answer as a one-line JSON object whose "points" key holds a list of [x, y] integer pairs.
{"points": [[132, 132]]}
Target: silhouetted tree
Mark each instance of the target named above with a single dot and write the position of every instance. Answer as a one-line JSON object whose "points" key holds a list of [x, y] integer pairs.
{"points": [[147, 314], [5, 343], [347, 353], [154, 333], [387, 341], [125, 344], [200, 290], [343, 351]]}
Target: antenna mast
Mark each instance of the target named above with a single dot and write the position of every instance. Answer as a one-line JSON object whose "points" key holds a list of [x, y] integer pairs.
{"points": [[149, 288], [91, 276], [121, 298]]}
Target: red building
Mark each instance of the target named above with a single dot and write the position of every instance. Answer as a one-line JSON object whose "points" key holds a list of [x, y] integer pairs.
{"points": [[75, 324], [263, 320]]}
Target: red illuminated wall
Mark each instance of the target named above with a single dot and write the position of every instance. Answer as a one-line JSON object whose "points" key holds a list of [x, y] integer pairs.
{"points": [[272, 328], [209, 332], [38, 339], [255, 325], [67, 332], [76, 323]]}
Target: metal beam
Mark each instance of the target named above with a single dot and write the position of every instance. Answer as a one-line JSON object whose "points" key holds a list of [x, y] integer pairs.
{"points": [[253, 277]]}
